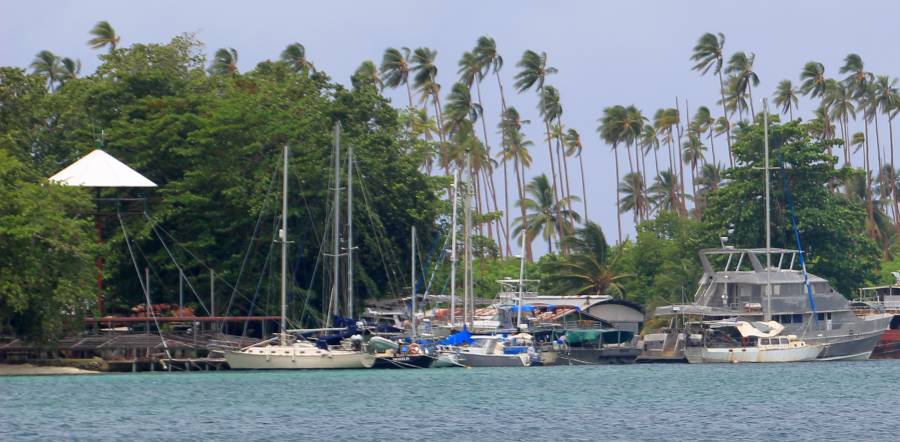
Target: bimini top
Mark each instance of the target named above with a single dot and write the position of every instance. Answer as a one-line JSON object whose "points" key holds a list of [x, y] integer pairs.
{"points": [[100, 169]]}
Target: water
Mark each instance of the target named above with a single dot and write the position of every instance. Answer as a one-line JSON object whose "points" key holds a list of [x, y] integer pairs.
{"points": [[822, 401]]}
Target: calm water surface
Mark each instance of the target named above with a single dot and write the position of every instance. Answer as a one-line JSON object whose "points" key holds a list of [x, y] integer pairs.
{"points": [[822, 401]]}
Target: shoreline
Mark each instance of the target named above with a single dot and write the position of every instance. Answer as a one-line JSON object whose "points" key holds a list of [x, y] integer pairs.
{"points": [[41, 370]]}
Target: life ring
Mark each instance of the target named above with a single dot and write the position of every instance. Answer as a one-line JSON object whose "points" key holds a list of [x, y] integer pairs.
{"points": [[414, 349]]}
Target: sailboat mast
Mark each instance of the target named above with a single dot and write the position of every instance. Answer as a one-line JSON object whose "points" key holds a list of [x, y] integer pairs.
{"points": [[350, 231], [453, 248], [467, 225], [336, 239], [284, 237], [412, 277], [521, 281], [768, 315]]}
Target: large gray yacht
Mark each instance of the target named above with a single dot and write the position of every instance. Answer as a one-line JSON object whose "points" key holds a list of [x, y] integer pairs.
{"points": [[734, 286]]}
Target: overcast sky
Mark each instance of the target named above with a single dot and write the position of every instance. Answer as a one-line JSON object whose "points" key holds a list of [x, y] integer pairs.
{"points": [[607, 53]]}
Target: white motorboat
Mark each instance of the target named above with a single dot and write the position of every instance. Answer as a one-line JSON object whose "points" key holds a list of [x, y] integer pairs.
{"points": [[741, 341], [298, 355], [493, 351]]}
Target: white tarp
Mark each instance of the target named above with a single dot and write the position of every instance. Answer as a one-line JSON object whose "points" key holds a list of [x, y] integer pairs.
{"points": [[761, 329], [100, 169]]}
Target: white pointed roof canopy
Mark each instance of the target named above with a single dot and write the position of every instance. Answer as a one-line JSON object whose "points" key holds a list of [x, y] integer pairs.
{"points": [[100, 169]]}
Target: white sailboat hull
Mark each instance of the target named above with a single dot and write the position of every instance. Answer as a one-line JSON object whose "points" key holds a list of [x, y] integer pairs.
{"points": [[289, 358], [756, 355]]}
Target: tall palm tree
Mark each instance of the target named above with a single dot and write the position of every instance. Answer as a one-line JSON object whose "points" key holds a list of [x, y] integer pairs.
{"points": [[69, 69], [609, 131], [395, 70], [544, 218], [740, 65], [736, 98], [425, 72], [888, 100], [47, 64], [634, 197], [664, 121], [693, 155], [838, 100], [709, 53], [224, 62], [104, 35], [709, 179], [471, 72], [813, 79], [367, 74], [295, 57], [857, 76], [550, 109], [515, 149], [786, 98], [573, 144]]}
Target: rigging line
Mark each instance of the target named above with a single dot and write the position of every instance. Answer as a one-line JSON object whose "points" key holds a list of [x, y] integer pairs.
{"points": [[262, 274], [790, 203], [137, 269], [390, 274], [250, 243], [158, 224], [434, 267], [153, 225], [312, 275]]}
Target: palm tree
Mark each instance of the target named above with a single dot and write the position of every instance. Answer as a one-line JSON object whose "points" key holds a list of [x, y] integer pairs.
{"points": [[634, 197], [888, 99], [693, 155], [546, 217], [857, 77], [589, 270], [104, 35], [705, 122], [664, 120], [786, 98], [736, 101], [709, 54], [515, 149], [395, 69], [740, 65], [295, 56], [665, 194], [471, 71], [573, 144], [838, 101], [609, 131], [708, 181], [650, 141], [47, 64], [424, 72], [550, 109], [69, 69], [224, 62], [813, 79], [367, 74]]}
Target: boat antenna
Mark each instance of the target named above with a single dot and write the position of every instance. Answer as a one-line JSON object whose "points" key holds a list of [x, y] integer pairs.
{"points": [[283, 237], [768, 315]]}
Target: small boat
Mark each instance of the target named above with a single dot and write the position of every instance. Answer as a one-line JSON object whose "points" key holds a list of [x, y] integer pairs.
{"points": [[390, 354], [599, 346], [741, 341], [495, 351], [297, 355]]}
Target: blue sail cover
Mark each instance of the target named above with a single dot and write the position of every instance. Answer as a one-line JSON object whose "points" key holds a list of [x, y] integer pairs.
{"points": [[458, 338]]}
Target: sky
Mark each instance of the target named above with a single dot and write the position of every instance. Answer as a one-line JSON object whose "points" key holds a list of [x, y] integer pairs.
{"points": [[607, 53]]}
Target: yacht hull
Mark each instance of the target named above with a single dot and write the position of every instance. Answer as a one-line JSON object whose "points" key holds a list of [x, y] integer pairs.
{"points": [[849, 348], [418, 361], [478, 360], [240, 360], [754, 355]]}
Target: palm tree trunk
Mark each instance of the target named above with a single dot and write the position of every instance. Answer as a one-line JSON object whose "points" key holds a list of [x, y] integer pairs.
{"points": [[870, 209], [712, 146], [583, 188], [630, 163], [618, 212], [750, 94], [552, 167], [680, 157], [656, 158], [409, 94], [506, 207], [894, 178], [725, 114], [878, 141]]}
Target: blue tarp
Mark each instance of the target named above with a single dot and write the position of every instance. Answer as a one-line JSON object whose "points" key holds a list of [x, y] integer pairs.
{"points": [[458, 338], [525, 308]]}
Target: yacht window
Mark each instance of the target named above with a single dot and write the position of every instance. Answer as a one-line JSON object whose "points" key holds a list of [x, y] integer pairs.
{"points": [[783, 341], [797, 318], [764, 341]]}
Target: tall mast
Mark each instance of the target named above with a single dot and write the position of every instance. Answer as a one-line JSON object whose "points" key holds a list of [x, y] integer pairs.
{"points": [[412, 278], [283, 237], [453, 248], [521, 280], [336, 239], [467, 226], [350, 230], [768, 315]]}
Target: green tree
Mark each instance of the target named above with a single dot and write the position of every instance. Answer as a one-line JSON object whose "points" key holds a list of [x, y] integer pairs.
{"points": [[813, 79], [295, 56], [786, 98], [634, 197], [589, 270], [395, 69], [366, 75], [47, 64], [709, 54], [740, 66], [224, 62], [542, 214]]}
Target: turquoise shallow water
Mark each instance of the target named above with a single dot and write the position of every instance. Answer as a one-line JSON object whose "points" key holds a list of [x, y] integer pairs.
{"points": [[822, 401]]}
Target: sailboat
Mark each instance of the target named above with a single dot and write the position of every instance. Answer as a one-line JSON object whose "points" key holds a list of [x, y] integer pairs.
{"points": [[285, 351]]}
